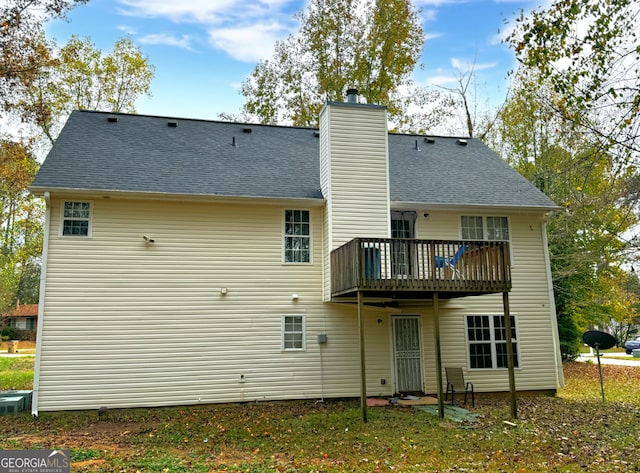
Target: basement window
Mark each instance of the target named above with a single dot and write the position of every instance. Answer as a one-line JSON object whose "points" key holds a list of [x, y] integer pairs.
{"points": [[487, 341], [76, 218], [293, 333]]}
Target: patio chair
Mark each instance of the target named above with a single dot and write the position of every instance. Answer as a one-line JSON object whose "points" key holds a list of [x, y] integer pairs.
{"points": [[449, 264], [456, 383]]}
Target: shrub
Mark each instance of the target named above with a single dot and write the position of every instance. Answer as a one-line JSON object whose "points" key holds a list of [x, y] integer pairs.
{"points": [[569, 337], [9, 333]]}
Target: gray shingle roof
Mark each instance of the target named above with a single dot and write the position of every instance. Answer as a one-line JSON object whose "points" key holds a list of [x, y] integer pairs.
{"points": [[197, 157]]}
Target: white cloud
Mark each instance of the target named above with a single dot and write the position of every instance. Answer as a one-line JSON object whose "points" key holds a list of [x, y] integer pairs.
{"points": [[429, 14], [466, 66], [244, 29], [249, 43], [205, 12], [127, 29], [438, 3], [430, 36], [442, 80], [183, 42], [198, 11]]}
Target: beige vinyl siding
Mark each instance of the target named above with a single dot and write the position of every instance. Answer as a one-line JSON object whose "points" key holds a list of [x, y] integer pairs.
{"points": [[325, 186], [539, 364], [356, 160], [354, 175], [128, 323]]}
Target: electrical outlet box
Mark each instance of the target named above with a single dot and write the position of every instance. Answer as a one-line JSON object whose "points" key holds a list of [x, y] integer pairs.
{"points": [[322, 338]]}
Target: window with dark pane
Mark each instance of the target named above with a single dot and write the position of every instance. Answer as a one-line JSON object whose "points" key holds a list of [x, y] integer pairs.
{"points": [[480, 355], [297, 236], [497, 229], [293, 332], [472, 228], [501, 355], [486, 337], [75, 218]]}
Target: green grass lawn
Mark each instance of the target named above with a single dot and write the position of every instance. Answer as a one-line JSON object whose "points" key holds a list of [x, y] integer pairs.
{"points": [[572, 432], [16, 373]]}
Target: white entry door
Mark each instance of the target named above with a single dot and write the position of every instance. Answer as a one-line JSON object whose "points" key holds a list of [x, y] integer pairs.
{"points": [[408, 353]]}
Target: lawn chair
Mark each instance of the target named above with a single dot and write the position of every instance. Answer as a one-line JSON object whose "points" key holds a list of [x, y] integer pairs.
{"points": [[450, 264], [455, 382]]}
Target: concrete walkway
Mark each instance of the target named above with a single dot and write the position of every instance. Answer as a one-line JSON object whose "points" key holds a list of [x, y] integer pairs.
{"points": [[15, 355]]}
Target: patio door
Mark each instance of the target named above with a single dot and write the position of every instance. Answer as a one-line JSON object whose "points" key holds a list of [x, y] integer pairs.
{"points": [[407, 354]]}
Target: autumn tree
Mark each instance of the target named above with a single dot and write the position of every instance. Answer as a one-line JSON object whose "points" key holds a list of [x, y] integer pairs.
{"points": [[20, 217], [24, 51], [82, 77], [40, 84], [372, 45]]}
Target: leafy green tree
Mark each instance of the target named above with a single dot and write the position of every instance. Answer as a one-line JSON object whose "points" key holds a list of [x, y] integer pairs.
{"points": [[372, 45], [587, 51], [586, 238]]}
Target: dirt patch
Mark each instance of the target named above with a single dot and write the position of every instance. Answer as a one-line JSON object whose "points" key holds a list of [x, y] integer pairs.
{"points": [[88, 465]]}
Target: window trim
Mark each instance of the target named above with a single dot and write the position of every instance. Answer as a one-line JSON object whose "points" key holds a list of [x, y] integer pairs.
{"points": [[302, 332], [285, 236], [492, 341], [89, 219]]}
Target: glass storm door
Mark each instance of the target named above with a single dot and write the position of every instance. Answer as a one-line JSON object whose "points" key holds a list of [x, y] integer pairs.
{"points": [[407, 353], [402, 226]]}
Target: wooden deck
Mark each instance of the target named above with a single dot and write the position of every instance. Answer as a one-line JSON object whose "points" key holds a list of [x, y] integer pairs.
{"points": [[397, 268]]}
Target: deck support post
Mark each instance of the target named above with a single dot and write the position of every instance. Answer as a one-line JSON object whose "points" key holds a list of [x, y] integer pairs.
{"points": [[436, 340], [363, 372], [510, 359]]}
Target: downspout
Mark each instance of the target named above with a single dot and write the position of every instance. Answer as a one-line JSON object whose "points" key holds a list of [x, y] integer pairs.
{"points": [[43, 285], [552, 307]]}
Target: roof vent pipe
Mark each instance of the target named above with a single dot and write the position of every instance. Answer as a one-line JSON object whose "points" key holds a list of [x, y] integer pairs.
{"points": [[352, 95]]}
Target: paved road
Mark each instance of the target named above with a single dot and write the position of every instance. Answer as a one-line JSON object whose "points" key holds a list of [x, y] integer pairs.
{"points": [[606, 359]]}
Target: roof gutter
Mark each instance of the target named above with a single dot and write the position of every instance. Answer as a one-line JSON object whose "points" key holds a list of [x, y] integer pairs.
{"points": [[43, 286], [164, 196]]}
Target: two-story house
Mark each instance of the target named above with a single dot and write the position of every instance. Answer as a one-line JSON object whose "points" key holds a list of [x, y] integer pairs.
{"points": [[191, 261]]}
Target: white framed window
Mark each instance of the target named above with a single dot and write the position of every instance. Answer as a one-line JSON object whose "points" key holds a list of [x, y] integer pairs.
{"points": [[492, 228], [76, 218], [293, 333], [297, 236], [487, 341]]}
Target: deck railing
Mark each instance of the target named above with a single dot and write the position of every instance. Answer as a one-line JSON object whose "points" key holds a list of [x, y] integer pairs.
{"points": [[408, 265]]}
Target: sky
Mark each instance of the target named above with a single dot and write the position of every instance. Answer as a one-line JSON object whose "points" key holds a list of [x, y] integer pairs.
{"points": [[202, 50]]}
